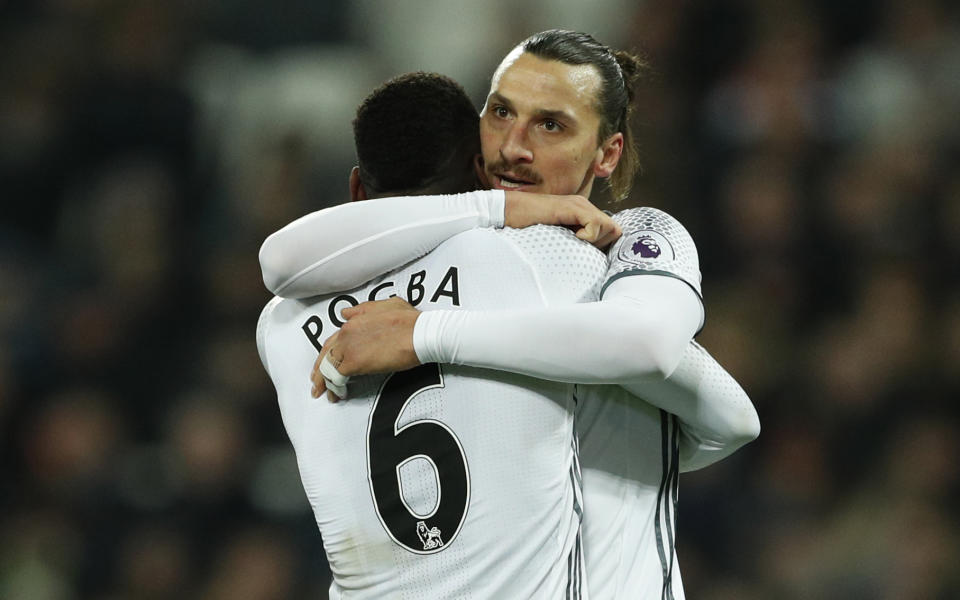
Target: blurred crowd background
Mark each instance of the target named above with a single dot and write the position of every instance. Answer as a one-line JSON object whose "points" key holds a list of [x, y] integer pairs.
{"points": [[148, 147]]}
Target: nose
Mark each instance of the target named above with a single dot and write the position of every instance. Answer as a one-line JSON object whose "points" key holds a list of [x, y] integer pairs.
{"points": [[516, 145]]}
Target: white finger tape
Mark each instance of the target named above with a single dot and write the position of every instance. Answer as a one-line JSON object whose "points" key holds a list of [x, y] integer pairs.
{"points": [[336, 381]]}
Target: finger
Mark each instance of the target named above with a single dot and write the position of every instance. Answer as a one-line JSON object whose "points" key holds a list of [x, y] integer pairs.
{"points": [[589, 232], [336, 393], [353, 311], [319, 387], [373, 307], [330, 341], [335, 381], [316, 377], [608, 236]]}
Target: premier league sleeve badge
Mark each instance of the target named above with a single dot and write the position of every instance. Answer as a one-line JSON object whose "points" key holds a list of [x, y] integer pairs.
{"points": [[644, 248]]}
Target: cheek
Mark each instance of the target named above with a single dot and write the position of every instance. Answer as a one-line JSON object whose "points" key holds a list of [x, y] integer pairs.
{"points": [[581, 153], [569, 162], [489, 141]]}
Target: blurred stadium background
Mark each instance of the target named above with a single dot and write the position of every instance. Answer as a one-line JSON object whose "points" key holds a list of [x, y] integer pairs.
{"points": [[148, 147]]}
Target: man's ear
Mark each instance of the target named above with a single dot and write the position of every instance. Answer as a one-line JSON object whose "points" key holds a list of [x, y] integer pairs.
{"points": [[356, 186], [608, 155]]}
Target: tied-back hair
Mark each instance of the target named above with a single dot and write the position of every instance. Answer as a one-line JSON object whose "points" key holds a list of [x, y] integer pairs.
{"points": [[416, 133], [619, 71]]}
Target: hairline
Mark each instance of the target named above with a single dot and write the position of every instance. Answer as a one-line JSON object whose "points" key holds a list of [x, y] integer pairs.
{"points": [[511, 58]]}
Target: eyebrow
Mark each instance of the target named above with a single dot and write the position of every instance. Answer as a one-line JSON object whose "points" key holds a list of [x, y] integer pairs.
{"points": [[541, 113]]}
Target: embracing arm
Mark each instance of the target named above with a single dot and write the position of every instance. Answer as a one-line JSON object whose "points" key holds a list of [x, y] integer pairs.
{"points": [[639, 331], [641, 342], [639, 337], [341, 247], [716, 415]]}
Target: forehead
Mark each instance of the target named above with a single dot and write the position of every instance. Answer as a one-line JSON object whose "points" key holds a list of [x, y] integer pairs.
{"points": [[535, 83]]}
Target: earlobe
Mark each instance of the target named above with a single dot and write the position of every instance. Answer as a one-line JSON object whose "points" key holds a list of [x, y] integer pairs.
{"points": [[357, 192], [609, 155]]}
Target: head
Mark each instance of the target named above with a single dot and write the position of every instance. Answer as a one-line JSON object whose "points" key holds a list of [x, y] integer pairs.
{"points": [[557, 116], [415, 134]]}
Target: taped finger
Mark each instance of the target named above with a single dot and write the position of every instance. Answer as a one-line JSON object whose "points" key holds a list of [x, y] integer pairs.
{"points": [[336, 381]]}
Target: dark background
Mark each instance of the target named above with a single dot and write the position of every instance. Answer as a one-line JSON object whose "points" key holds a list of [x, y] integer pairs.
{"points": [[148, 147]]}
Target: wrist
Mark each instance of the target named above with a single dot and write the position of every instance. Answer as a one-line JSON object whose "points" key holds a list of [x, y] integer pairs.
{"points": [[521, 209], [423, 344], [428, 334], [511, 206]]}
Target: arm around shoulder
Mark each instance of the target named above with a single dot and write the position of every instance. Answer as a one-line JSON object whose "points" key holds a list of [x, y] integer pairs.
{"points": [[716, 414], [341, 247]]}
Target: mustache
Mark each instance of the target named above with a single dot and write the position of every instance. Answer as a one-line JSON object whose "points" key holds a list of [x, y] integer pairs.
{"points": [[519, 171]]}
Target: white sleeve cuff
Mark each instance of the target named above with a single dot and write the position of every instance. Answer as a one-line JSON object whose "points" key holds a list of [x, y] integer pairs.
{"points": [[497, 205], [428, 335]]}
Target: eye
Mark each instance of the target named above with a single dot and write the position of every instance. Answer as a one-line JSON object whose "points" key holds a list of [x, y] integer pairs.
{"points": [[501, 111], [551, 125]]}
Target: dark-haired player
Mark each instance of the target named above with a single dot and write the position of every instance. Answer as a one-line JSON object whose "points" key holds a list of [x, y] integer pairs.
{"points": [[438, 482]]}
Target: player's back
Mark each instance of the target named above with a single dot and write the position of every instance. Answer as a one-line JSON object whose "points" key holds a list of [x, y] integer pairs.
{"points": [[630, 461], [449, 482]]}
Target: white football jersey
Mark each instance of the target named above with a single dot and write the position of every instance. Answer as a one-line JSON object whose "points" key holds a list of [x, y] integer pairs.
{"points": [[449, 481], [629, 448], [653, 242], [629, 454]]}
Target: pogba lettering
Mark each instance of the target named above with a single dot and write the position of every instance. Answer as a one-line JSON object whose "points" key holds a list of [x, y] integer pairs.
{"points": [[444, 290]]}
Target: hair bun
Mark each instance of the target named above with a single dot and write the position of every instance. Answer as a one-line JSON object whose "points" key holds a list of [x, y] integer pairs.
{"points": [[633, 67]]}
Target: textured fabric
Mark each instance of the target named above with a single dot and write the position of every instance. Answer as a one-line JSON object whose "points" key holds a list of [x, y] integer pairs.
{"points": [[653, 242], [344, 246], [593, 343], [489, 503], [629, 460], [638, 332]]}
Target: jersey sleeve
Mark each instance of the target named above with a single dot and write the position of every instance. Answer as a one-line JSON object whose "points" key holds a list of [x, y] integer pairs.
{"points": [[344, 246], [653, 243], [639, 331], [716, 415]]}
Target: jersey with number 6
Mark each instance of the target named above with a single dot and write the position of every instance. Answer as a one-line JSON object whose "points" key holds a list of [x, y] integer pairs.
{"points": [[443, 482]]}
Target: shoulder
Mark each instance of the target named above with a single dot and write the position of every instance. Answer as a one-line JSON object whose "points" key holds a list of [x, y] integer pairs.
{"points": [[569, 269], [548, 240], [650, 233], [654, 242], [646, 218]]}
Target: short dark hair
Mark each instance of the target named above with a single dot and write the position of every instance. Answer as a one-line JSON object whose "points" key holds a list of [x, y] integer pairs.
{"points": [[619, 72], [417, 133]]}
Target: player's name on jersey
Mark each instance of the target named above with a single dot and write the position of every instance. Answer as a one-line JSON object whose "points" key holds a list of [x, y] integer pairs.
{"points": [[420, 287]]}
